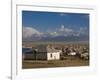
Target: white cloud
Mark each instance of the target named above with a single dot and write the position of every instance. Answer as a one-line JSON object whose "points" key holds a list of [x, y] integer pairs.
{"points": [[62, 14], [65, 29], [62, 31], [54, 34], [29, 31], [83, 31]]}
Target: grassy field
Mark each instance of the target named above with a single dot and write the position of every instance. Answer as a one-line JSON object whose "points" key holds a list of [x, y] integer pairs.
{"points": [[26, 64]]}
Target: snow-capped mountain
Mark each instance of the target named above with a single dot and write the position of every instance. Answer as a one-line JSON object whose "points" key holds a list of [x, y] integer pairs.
{"points": [[61, 34]]}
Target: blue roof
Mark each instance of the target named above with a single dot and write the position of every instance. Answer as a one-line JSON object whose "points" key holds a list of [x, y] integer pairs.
{"points": [[24, 50]]}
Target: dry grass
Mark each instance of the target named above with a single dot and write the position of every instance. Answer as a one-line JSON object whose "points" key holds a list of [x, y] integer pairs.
{"points": [[54, 63], [69, 62]]}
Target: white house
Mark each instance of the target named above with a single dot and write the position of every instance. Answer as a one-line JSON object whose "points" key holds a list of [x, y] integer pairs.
{"points": [[72, 53], [43, 52], [53, 54], [84, 56]]}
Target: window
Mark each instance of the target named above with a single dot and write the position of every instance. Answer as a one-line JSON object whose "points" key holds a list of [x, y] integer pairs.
{"points": [[50, 55]]}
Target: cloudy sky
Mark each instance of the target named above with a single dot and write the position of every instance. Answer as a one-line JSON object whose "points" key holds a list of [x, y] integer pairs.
{"points": [[54, 24]]}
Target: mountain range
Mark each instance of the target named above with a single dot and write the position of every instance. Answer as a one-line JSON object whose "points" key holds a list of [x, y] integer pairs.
{"points": [[61, 34]]}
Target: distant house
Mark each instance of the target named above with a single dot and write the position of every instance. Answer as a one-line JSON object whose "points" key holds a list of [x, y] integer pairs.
{"points": [[84, 56], [72, 53], [42, 52], [27, 53]]}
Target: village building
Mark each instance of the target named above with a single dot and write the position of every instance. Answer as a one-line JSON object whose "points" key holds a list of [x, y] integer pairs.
{"points": [[42, 52]]}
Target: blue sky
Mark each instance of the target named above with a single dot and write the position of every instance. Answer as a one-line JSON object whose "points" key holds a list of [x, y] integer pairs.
{"points": [[50, 21]]}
